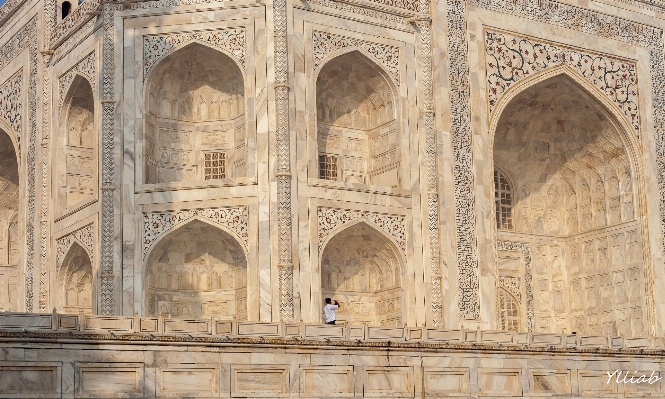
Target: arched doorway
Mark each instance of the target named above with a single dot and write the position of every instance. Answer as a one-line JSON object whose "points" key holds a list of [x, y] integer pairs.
{"points": [[361, 268], [197, 270], [564, 182], [357, 129], [9, 237], [195, 126], [77, 175], [75, 282]]}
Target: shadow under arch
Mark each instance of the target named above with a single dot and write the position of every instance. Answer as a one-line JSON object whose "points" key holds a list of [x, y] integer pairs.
{"points": [[197, 269], [76, 166], [76, 288], [195, 118], [363, 268], [557, 125]]}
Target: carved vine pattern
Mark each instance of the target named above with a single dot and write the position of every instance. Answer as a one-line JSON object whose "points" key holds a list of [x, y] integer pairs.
{"points": [[10, 103], [86, 67], [525, 249], [568, 17], [84, 236], [329, 219], [326, 43], [512, 58], [155, 225], [157, 47]]}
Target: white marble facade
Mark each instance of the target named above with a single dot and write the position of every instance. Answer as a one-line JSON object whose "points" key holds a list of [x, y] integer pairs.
{"points": [[444, 164]]}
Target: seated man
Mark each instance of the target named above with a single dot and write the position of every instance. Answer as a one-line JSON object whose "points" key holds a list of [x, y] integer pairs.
{"points": [[329, 310]]}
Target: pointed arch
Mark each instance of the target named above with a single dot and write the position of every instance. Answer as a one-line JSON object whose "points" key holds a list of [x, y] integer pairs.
{"points": [[357, 130], [567, 146], [75, 281], [365, 54], [195, 127], [361, 267], [77, 167], [198, 269], [510, 313]]}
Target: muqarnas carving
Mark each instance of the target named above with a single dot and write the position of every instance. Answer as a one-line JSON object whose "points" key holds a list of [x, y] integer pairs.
{"points": [[9, 237], [564, 182], [77, 177], [195, 126], [361, 268], [358, 137], [197, 270]]}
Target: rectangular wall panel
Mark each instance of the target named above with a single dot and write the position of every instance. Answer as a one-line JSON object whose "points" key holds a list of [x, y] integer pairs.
{"points": [[259, 381], [194, 381], [550, 382], [94, 380], [445, 382], [499, 382], [327, 381], [388, 382], [37, 380], [594, 383]]}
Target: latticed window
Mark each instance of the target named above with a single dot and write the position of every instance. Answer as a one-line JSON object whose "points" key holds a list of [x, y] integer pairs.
{"points": [[503, 200], [509, 311], [327, 167], [215, 165]]}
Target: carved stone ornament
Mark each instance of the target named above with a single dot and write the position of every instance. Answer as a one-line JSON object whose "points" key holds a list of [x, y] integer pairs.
{"points": [[157, 47], [86, 68], [510, 285], [326, 43], [235, 219], [84, 236], [558, 14], [10, 103], [511, 58], [329, 219]]}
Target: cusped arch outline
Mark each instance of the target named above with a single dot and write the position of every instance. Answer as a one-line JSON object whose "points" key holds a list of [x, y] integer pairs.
{"points": [[166, 49], [183, 218]]}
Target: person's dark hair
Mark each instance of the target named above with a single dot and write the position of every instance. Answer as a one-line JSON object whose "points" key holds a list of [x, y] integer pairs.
{"points": [[328, 300]]}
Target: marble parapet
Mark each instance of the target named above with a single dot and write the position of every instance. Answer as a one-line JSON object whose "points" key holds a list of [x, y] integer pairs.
{"points": [[214, 330]]}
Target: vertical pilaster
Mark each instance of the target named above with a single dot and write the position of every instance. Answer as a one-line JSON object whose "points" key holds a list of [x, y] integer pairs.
{"points": [[283, 164]]}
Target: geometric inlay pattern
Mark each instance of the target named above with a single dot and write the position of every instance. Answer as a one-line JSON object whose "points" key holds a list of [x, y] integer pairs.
{"points": [[155, 225], [329, 219], [326, 43], [155, 48], [511, 58]]}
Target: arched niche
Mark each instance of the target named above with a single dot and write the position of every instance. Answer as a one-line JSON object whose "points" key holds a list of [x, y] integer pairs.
{"points": [[197, 270], [77, 177], [9, 210], [357, 135], [75, 282], [574, 201], [195, 126], [361, 268]]}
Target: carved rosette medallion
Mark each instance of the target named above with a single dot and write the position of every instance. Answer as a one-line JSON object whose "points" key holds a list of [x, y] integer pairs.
{"points": [[231, 41], [512, 58], [326, 43], [330, 219], [234, 219]]}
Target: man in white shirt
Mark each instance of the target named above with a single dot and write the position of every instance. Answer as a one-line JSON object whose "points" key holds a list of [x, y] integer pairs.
{"points": [[329, 310]]}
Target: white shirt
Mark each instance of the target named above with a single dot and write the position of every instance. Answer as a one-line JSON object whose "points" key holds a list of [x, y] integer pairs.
{"points": [[329, 309]]}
